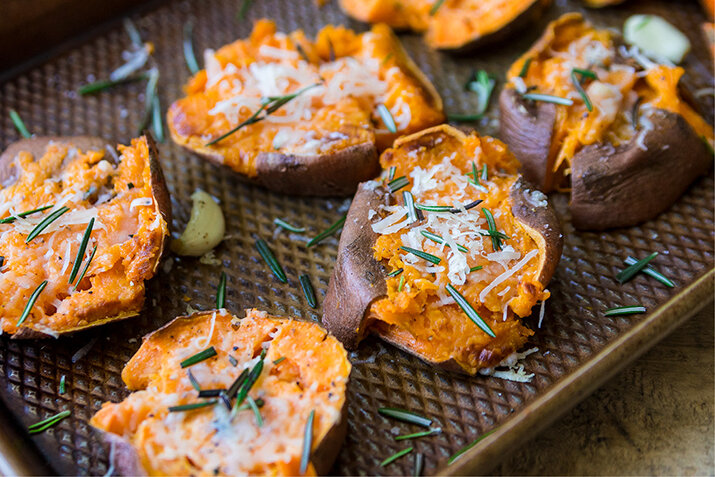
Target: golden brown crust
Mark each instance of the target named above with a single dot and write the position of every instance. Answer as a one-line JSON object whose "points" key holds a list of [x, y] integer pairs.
{"points": [[624, 185], [37, 146]]}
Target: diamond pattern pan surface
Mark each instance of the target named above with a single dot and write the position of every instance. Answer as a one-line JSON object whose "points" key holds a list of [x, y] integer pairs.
{"points": [[578, 347]]}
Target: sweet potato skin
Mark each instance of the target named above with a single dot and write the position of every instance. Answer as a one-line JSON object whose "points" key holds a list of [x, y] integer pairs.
{"points": [[36, 146], [357, 279], [624, 185], [126, 459]]}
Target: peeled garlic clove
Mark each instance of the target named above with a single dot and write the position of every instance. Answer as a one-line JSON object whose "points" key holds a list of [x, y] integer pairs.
{"points": [[656, 38], [205, 229]]}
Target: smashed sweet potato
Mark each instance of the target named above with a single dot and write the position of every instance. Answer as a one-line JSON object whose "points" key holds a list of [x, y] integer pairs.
{"points": [[456, 25], [295, 367], [324, 108], [493, 238], [582, 111], [77, 179]]}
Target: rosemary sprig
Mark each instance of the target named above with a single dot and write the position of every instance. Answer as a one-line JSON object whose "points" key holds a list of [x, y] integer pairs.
{"points": [[198, 357], [396, 184], [495, 235], [337, 225], [249, 382], [409, 200], [482, 84], [31, 302], [37, 230], [419, 464], [11, 219], [525, 69], [308, 290], [19, 124], [626, 274], [437, 239], [47, 423], [267, 255], [405, 416], [387, 118], [396, 456], [652, 272], [269, 105], [469, 310], [244, 9], [548, 98], [221, 292], [625, 310], [193, 406], [464, 449], [256, 411], [435, 7], [101, 85], [290, 228], [395, 272], [307, 442], [63, 385], [82, 249], [423, 255], [86, 267], [188, 45], [432, 431], [194, 383], [577, 84]]}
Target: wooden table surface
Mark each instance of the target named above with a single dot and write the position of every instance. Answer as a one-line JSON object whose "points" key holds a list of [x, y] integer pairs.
{"points": [[654, 418]]}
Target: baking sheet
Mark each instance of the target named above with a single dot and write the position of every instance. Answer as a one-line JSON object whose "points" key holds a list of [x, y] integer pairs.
{"points": [[577, 344]]}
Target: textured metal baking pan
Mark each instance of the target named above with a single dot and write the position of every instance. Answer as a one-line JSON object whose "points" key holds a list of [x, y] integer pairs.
{"points": [[579, 348]]}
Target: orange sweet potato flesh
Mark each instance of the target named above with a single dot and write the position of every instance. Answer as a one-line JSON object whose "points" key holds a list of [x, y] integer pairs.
{"points": [[632, 110], [326, 140], [127, 196], [456, 25], [150, 440], [412, 310]]}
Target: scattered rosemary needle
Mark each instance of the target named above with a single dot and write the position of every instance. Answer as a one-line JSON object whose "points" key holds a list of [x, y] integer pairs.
{"points": [[626, 274], [307, 443], [194, 383], [149, 95], [579, 88], [47, 423], [37, 230], [279, 360], [395, 272], [469, 310], [396, 456], [157, 122], [102, 85], [485, 174], [132, 31], [652, 272], [474, 269], [285, 225], [409, 201], [396, 184], [525, 69], [337, 225], [419, 464], [192, 406], [267, 255], [434, 430], [249, 382], [233, 361], [391, 173], [493, 232], [198, 357], [625, 310], [31, 302], [86, 267], [188, 45], [401, 284], [63, 384], [308, 290], [19, 124], [221, 292], [82, 249], [548, 98], [405, 416], [435, 7], [387, 118], [464, 449], [256, 411], [437, 239], [423, 255], [482, 85], [11, 219], [244, 9]]}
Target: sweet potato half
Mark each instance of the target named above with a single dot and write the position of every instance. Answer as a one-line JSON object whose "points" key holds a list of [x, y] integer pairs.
{"points": [[50, 284], [453, 25], [295, 368], [324, 108], [626, 143], [493, 239]]}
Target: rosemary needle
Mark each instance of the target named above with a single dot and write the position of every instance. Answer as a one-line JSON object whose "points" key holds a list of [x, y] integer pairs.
{"points": [[267, 255], [19, 124], [221, 292], [405, 416], [198, 357], [337, 225], [396, 456], [37, 230], [307, 443], [188, 45], [82, 249], [308, 290], [47, 423], [31, 302]]}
